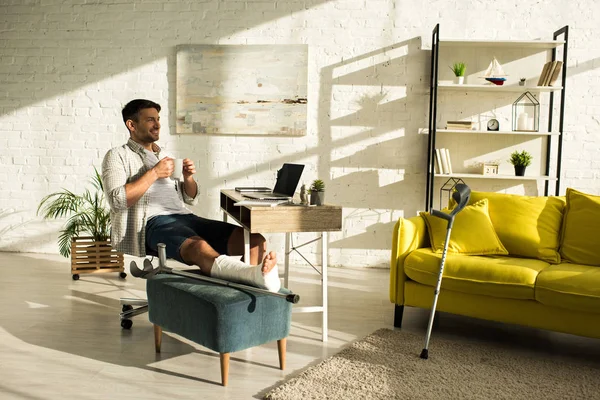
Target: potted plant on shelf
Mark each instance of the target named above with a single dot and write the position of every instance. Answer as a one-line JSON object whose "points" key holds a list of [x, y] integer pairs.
{"points": [[459, 70], [86, 234], [317, 192], [520, 160]]}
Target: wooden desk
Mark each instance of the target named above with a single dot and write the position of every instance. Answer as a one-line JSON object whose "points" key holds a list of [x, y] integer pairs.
{"points": [[287, 219]]}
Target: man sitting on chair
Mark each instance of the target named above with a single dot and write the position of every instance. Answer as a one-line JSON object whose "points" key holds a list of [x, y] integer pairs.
{"points": [[147, 208]]}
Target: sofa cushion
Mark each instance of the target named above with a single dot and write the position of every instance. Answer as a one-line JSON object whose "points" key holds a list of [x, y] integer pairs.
{"points": [[528, 226], [581, 228], [472, 232], [570, 286], [498, 276]]}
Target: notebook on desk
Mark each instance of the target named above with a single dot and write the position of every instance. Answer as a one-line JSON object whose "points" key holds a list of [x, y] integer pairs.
{"points": [[285, 185]]}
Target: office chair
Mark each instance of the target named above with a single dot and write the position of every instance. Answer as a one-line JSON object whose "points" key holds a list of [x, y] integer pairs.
{"points": [[130, 307]]}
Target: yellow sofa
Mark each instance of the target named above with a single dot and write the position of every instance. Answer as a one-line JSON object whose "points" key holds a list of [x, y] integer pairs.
{"points": [[549, 279]]}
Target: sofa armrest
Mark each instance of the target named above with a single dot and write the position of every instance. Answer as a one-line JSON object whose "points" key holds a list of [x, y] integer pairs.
{"points": [[409, 234]]}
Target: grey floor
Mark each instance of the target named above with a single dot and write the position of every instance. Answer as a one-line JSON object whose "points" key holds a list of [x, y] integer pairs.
{"points": [[61, 339]]}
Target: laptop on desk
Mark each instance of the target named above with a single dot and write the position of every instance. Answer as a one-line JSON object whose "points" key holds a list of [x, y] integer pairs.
{"points": [[285, 186]]}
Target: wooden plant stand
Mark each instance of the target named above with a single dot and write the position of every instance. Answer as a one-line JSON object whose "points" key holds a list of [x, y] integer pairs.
{"points": [[89, 256]]}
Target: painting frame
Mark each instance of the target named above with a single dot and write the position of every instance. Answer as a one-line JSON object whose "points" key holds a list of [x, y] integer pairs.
{"points": [[242, 89]]}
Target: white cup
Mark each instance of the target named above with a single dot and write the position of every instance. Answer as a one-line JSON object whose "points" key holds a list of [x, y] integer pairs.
{"points": [[178, 168]]}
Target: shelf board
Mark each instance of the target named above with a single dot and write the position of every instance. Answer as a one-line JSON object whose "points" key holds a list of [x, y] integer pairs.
{"points": [[531, 44], [495, 88], [496, 132], [511, 177]]}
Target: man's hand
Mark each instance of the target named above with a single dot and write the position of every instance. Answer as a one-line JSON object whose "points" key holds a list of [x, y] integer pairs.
{"points": [[164, 168], [189, 168], [189, 184]]}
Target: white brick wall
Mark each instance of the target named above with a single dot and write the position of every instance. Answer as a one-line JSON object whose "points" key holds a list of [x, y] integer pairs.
{"points": [[67, 68]]}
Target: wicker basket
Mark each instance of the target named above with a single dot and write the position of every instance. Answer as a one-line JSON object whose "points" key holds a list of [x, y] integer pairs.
{"points": [[90, 256]]}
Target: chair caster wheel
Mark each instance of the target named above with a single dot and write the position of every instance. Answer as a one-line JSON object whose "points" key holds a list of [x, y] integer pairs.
{"points": [[126, 323], [122, 275], [126, 307], [75, 277]]}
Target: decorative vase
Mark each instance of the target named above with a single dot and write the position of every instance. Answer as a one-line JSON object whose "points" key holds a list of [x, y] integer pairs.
{"points": [[520, 170], [460, 79], [317, 198]]}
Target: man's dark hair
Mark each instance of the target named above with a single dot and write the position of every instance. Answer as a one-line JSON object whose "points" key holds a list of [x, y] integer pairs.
{"points": [[131, 109]]}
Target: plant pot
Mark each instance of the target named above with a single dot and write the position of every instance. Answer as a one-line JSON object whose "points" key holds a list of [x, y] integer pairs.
{"points": [[460, 80], [91, 256], [317, 198], [520, 170]]}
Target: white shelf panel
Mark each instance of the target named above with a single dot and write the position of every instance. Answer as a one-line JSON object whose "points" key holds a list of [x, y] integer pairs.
{"points": [[497, 132], [495, 88], [531, 44], [511, 177]]}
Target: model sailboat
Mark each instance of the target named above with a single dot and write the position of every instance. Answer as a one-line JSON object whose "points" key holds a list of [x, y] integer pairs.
{"points": [[495, 73]]}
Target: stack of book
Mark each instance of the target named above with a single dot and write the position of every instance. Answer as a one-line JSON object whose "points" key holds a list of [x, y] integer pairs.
{"points": [[459, 125], [442, 162], [550, 72]]}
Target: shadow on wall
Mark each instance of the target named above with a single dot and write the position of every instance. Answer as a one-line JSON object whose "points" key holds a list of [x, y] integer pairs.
{"points": [[96, 41], [371, 156]]}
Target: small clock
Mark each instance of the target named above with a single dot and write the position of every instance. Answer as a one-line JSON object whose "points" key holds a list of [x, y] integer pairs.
{"points": [[493, 125]]}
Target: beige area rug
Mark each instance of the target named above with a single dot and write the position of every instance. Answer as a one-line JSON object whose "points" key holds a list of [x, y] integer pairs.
{"points": [[386, 365]]}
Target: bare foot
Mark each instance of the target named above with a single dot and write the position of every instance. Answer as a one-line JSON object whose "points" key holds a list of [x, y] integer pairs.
{"points": [[269, 262]]}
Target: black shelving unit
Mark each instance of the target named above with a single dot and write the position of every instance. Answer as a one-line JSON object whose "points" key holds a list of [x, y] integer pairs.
{"points": [[433, 113]]}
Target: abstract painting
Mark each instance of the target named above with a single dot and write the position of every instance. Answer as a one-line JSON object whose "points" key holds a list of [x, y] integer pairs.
{"points": [[242, 89]]}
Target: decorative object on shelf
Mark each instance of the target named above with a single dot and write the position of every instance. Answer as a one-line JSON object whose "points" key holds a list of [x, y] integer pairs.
{"points": [[522, 82], [495, 73], [489, 168], [317, 193], [526, 113], [493, 125], [448, 187], [459, 70], [303, 195], [520, 160], [86, 234]]}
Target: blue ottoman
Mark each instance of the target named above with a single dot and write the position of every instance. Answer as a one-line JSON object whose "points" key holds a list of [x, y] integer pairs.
{"points": [[221, 318]]}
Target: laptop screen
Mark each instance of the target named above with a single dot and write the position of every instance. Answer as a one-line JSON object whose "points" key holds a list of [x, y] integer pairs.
{"points": [[288, 178]]}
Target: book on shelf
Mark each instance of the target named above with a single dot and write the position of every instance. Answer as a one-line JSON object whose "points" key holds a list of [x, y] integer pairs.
{"points": [[544, 73], [550, 72], [459, 125], [438, 161], [445, 164], [555, 72], [448, 160]]}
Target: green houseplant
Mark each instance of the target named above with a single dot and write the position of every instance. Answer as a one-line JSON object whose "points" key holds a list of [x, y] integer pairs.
{"points": [[520, 160], [317, 192], [459, 70], [88, 219]]}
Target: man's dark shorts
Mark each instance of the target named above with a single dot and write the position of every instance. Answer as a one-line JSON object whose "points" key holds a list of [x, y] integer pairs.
{"points": [[174, 229]]}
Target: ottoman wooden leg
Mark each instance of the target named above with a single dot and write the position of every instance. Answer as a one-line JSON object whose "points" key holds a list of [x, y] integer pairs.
{"points": [[157, 337], [281, 349], [224, 368]]}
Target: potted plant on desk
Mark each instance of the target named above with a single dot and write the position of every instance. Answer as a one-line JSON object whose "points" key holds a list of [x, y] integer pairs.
{"points": [[317, 192], [86, 235], [520, 160]]}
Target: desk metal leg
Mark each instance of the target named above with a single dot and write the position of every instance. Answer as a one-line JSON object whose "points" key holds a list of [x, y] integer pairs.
{"points": [[323, 272], [324, 259], [247, 246], [286, 272]]}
